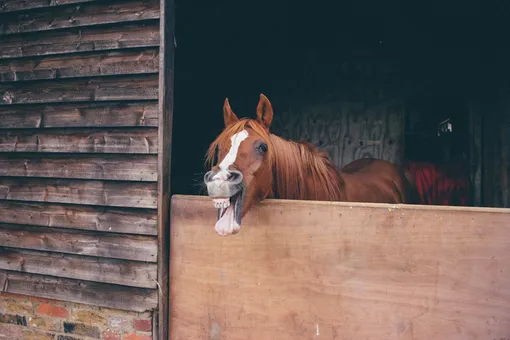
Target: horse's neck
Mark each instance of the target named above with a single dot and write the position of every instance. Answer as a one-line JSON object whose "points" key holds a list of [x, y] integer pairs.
{"points": [[300, 172]]}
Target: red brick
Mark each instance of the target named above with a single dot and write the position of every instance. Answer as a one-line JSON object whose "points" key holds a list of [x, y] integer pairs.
{"points": [[110, 335], [133, 336], [56, 311], [142, 325]]}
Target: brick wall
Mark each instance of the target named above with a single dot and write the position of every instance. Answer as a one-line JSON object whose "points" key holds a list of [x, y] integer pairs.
{"points": [[23, 317]]}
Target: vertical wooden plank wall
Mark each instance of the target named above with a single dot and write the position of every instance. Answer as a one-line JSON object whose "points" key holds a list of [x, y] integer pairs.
{"points": [[358, 115], [496, 152], [79, 151]]}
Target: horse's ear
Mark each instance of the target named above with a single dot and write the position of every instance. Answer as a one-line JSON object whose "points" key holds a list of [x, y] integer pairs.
{"points": [[229, 117], [264, 111]]}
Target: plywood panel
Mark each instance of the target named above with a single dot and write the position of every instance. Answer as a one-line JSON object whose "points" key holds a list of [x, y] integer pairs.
{"points": [[111, 114], [111, 194], [87, 14], [127, 273], [98, 294], [134, 61], [303, 270], [114, 220], [128, 141]]}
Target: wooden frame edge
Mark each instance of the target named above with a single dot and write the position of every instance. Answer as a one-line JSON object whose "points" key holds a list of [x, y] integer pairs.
{"points": [[165, 115]]}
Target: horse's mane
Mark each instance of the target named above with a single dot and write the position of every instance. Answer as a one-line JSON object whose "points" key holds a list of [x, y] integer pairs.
{"points": [[297, 167]]}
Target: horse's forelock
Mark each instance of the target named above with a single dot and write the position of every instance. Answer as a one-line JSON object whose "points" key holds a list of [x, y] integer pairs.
{"points": [[229, 131]]}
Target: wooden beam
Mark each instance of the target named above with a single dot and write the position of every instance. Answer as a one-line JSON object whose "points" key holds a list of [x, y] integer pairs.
{"points": [[109, 114], [16, 5], [136, 61], [112, 167], [111, 194], [351, 270], [87, 14], [144, 87], [126, 273], [475, 150], [114, 220], [87, 39], [91, 293], [120, 141], [166, 91], [108, 245]]}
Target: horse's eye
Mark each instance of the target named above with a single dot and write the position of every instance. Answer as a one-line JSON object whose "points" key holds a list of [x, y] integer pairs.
{"points": [[262, 148]]}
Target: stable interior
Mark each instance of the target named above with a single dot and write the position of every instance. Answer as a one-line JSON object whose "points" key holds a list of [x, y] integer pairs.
{"points": [[424, 86]]}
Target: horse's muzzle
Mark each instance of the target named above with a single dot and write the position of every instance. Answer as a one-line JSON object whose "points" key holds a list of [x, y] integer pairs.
{"points": [[223, 184]]}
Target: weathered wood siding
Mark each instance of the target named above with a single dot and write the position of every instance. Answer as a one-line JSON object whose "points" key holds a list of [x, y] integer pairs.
{"points": [[79, 150], [305, 270]]}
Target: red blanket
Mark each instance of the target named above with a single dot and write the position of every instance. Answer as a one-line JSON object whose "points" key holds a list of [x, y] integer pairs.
{"points": [[444, 184]]}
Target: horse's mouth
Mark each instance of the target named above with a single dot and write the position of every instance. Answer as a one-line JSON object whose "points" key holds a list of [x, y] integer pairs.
{"points": [[229, 214]]}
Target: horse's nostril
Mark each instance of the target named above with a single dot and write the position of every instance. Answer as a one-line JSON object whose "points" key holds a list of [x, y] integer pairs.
{"points": [[235, 177]]}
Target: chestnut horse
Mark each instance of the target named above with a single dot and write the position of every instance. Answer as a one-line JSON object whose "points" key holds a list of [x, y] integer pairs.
{"points": [[255, 164]]}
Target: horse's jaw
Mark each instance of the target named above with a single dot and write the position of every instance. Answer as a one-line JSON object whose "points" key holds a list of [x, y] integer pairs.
{"points": [[229, 214]]}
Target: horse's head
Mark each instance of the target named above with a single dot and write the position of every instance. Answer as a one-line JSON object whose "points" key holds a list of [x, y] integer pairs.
{"points": [[241, 174]]}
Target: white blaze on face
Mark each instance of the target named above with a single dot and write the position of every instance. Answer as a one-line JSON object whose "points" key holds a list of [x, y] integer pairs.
{"points": [[227, 224], [231, 156]]}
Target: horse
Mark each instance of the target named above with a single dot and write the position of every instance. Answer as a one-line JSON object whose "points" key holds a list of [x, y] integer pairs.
{"points": [[249, 164]]}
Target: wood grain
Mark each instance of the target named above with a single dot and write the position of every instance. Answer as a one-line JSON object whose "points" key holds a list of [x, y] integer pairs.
{"points": [[126, 273], [135, 61], [117, 246], [80, 40], [79, 291], [115, 220], [347, 130], [340, 270], [143, 87], [17, 5], [475, 151], [111, 167], [123, 141], [110, 114], [86, 14], [111, 194], [165, 120]]}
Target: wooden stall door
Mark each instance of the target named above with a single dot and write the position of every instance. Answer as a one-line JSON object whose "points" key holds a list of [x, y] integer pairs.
{"points": [[316, 270]]}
